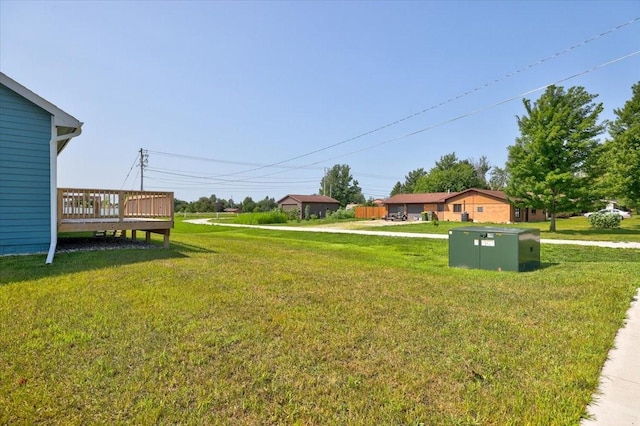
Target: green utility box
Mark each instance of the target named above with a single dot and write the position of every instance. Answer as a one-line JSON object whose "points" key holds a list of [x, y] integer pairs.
{"points": [[493, 248]]}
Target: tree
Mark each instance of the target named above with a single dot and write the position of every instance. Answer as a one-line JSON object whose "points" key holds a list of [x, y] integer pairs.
{"points": [[411, 179], [482, 168], [552, 164], [204, 204], [397, 189], [266, 205], [621, 154], [449, 174], [340, 185], [498, 178], [180, 205], [447, 161], [248, 205]]}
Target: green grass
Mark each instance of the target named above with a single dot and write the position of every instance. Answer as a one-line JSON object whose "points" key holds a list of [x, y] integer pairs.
{"points": [[576, 228], [245, 326]]}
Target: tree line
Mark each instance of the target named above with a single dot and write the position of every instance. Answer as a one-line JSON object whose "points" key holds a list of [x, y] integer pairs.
{"points": [[557, 163], [215, 204]]}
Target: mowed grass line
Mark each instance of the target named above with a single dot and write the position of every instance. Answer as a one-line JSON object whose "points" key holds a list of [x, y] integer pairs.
{"points": [[575, 228], [248, 326]]}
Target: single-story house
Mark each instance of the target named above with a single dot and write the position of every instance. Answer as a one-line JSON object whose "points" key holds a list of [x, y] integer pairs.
{"points": [[318, 205], [33, 132], [474, 205]]}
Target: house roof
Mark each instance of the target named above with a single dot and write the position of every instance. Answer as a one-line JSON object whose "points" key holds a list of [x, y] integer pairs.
{"points": [[66, 124], [495, 194], [439, 197], [423, 198], [310, 199]]}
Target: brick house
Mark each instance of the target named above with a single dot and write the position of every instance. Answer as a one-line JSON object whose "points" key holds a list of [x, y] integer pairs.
{"points": [[474, 205]]}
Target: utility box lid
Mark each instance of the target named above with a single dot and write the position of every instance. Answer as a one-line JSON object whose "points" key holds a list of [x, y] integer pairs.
{"points": [[494, 248]]}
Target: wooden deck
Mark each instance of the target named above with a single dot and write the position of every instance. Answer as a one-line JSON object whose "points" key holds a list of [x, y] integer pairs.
{"points": [[97, 210]]}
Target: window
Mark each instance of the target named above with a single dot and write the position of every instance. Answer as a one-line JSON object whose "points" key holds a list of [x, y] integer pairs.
{"points": [[533, 211], [517, 212], [440, 207], [457, 208], [480, 209]]}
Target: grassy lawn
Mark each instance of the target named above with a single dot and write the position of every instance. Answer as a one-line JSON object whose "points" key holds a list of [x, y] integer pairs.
{"points": [[576, 228], [245, 326]]}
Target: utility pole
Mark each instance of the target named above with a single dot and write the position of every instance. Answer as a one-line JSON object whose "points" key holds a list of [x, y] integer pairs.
{"points": [[324, 182], [143, 163]]}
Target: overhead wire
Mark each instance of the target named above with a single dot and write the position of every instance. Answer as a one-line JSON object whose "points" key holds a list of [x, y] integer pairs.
{"points": [[467, 93], [135, 160], [279, 164], [467, 114], [257, 167], [252, 180]]}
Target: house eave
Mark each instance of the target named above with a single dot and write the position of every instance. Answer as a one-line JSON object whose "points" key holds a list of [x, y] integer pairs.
{"points": [[65, 123]]}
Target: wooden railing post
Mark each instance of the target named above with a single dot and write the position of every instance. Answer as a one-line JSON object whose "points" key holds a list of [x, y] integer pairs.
{"points": [[121, 206]]}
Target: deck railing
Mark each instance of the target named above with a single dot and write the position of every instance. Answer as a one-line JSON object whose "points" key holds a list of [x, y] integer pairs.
{"points": [[94, 204]]}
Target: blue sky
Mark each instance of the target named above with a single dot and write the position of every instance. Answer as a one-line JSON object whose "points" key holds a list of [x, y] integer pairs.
{"points": [[256, 99]]}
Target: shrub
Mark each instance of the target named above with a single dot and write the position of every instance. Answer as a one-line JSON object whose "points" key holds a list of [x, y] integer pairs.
{"points": [[604, 220], [261, 218], [342, 214], [291, 214]]}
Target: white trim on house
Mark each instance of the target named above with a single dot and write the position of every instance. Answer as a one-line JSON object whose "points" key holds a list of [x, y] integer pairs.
{"points": [[60, 118], [64, 127]]}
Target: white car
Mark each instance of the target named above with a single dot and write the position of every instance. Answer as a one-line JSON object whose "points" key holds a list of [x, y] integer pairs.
{"points": [[623, 214]]}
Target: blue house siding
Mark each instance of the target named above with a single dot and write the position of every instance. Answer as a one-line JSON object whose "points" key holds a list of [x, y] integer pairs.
{"points": [[25, 199]]}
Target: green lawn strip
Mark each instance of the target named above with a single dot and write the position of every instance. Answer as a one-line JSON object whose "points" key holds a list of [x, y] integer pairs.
{"points": [[577, 228], [252, 327]]}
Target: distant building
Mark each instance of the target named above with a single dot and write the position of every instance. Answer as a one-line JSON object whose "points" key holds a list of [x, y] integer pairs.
{"points": [[318, 205], [473, 205]]}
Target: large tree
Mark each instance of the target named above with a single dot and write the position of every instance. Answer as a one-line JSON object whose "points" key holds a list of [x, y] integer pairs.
{"points": [[551, 165], [248, 205], [622, 153], [410, 181], [397, 189], [266, 205], [340, 185], [449, 174]]}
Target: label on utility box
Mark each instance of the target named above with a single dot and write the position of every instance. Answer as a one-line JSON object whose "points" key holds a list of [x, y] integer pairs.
{"points": [[475, 242], [488, 243]]}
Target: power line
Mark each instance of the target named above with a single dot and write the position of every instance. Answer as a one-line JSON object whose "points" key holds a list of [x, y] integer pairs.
{"points": [[213, 160], [180, 175], [257, 167], [413, 133], [135, 160], [468, 114], [484, 86], [252, 181]]}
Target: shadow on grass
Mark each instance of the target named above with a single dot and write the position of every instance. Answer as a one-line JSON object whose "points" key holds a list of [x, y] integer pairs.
{"points": [[77, 256], [546, 265]]}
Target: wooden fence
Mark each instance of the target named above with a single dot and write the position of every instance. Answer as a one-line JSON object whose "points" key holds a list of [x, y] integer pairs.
{"points": [[370, 212]]}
